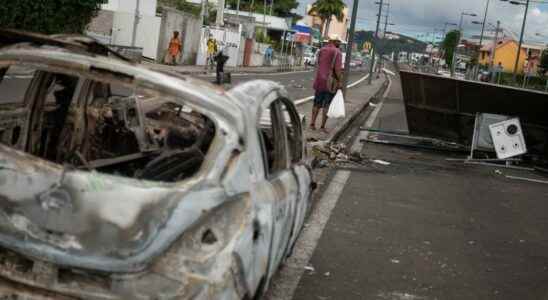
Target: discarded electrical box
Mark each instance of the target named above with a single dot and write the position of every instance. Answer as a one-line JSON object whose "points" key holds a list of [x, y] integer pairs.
{"points": [[508, 138]]}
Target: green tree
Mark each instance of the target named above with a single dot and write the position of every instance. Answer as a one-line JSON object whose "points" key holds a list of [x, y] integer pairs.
{"points": [[327, 8], [449, 45], [48, 16]]}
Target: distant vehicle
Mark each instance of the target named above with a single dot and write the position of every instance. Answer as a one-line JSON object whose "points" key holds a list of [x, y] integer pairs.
{"points": [[444, 73], [310, 59], [484, 76], [356, 63]]}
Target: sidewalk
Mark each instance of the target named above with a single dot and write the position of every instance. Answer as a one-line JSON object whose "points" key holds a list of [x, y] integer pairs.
{"points": [[201, 70], [356, 98]]}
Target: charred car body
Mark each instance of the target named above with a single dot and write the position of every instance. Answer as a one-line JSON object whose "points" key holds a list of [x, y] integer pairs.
{"points": [[117, 182]]}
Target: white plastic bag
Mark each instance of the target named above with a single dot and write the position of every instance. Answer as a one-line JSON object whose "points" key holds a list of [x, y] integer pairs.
{"points": [[336, 108]]}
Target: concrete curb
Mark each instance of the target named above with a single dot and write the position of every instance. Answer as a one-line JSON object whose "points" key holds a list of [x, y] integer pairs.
{"points": [[310, 98], [341, 128]]}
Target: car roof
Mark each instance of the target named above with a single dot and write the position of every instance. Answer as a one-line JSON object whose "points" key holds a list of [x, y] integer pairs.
{"points": [[84, 56]]}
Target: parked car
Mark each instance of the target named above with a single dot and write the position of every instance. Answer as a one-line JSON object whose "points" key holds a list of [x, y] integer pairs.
{"points": [[310, 59], [356, 63], [118, 182]]}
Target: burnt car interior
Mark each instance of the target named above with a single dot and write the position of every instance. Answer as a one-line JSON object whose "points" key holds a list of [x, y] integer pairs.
{"points": [[106, 126]]}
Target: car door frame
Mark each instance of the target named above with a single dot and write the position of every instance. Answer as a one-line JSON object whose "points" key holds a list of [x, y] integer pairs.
{"points": [[300, 169], [281, 214]]}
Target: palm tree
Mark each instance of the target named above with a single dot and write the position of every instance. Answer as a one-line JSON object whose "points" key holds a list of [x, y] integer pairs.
{"points": [[325, 9]]}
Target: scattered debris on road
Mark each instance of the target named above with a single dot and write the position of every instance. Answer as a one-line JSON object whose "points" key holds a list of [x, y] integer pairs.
{"points": [[337, 155]]}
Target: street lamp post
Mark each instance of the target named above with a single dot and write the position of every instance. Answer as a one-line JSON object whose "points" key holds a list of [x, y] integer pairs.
{"points": [[445, 27], [493, 52], [514, 76], [350, 45], [458, 40], [481, 35], [374, 48]]}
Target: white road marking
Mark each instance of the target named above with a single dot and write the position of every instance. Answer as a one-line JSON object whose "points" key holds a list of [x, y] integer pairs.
{"points": [[213, 75], [288, 278], [283, 288], [309, 98]]}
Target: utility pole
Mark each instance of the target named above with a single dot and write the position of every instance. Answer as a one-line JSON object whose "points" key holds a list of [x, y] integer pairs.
{"points": [[514, 77], [453, 63], [386, 19], [481, 36], [492, 58], [350, 45], [238, 10], [454, 60], [204, 14], [374, 48], [135, 24], [264, 18], [219, 21]]}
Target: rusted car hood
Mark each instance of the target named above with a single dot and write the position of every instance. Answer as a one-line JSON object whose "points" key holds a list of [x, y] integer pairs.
{"points": [[89, 219]]}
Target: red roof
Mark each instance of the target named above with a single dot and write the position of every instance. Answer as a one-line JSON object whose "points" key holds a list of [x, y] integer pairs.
{"points": [[489, 46]]}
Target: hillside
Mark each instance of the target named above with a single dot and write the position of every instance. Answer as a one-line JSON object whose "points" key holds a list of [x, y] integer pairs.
{"points": [[399, 42]]}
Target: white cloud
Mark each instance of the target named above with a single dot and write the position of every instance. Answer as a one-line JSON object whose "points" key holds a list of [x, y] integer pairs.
{"points": [[420, 16]]}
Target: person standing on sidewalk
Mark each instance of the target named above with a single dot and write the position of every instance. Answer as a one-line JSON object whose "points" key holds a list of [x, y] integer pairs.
{"points": [[328, 79], [211, 51], [221, 60], [268, 56], [174, 50]]}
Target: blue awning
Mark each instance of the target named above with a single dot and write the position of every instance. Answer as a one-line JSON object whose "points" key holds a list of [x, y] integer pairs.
{"points": [[302, 28]]}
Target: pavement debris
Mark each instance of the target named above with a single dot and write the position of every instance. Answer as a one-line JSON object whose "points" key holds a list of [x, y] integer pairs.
{"points": [[381, 162], [337, 155], [309, 268]]}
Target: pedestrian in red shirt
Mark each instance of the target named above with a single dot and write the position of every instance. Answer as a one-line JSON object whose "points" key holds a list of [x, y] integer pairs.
{"points": [[328, 79]]}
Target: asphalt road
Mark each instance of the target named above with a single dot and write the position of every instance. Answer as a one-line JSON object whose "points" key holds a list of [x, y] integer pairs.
{"points": [[298, 84], [421, 227]]}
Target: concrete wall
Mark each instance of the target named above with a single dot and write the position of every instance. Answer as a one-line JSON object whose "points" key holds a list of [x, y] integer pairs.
{"points": [[147, 35], [189, 27], [102, 23], [228, 39]]}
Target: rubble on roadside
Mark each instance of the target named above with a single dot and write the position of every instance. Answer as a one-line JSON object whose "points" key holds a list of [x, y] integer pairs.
{"points": [[335, 155]]}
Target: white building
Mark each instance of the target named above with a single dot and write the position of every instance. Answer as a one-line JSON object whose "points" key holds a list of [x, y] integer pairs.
{"points": [[131, 23]]}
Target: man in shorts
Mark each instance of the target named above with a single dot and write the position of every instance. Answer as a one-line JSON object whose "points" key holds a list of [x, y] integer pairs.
{"points": [[329, 64]]}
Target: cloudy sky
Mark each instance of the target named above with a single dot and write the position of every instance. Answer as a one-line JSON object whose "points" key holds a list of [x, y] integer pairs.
{"points": [[414, 17]]}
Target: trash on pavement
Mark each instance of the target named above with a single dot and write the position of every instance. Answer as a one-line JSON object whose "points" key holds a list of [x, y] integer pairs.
{"points": [[309, 268], [381, 162]]}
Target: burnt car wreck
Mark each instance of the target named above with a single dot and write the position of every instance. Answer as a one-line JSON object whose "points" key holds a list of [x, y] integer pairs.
{"points": [[117, 182]]}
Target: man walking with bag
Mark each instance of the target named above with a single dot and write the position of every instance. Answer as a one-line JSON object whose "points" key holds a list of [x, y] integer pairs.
{"points": [[328, 80]]}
